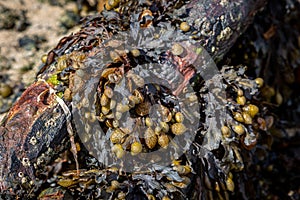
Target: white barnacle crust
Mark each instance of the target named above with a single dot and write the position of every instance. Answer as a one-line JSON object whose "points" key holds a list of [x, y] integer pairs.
{"points": [[26, 162], [39, 134], [20, 174], [33, 140], [23, 180], [50, 122]]}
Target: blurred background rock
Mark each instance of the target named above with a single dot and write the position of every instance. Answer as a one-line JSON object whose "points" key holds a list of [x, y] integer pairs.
{"points": [[28, 30]]}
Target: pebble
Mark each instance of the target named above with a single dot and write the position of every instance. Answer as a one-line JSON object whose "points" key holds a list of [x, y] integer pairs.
{"points": [[5, 90]]}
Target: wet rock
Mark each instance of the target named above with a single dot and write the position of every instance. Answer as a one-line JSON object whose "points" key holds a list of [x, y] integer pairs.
{"points": [[5, 63], [31, 42], [13, 19]]}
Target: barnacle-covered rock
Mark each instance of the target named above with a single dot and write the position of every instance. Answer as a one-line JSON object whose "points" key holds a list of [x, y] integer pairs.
{"points": [[36, 125], [134, 67]]}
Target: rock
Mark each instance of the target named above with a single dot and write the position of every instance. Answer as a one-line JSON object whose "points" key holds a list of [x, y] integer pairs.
{"points": [[10, 19]]}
